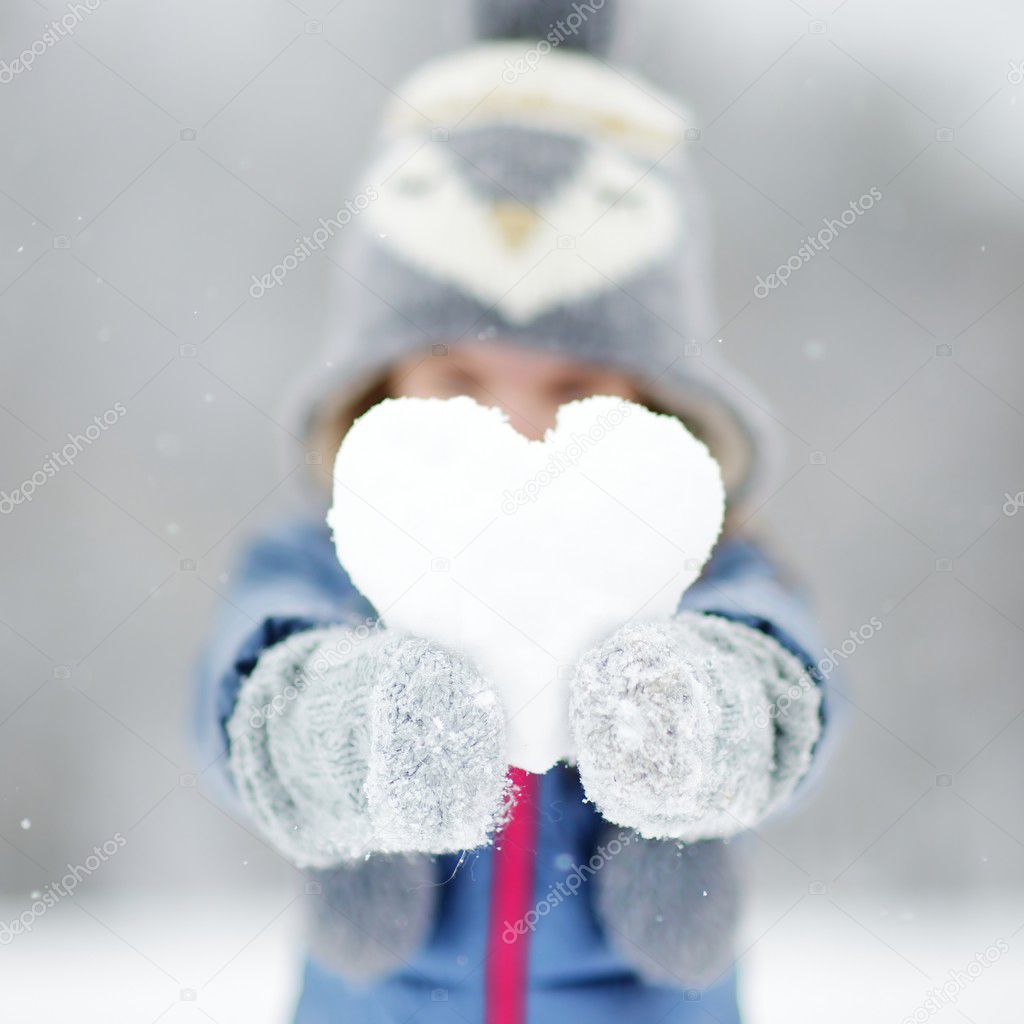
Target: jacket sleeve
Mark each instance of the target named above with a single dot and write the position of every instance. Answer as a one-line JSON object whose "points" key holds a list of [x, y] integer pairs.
{"points": [[288, 582]]}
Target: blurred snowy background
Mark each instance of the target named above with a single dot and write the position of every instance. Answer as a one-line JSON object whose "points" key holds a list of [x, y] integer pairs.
{"points": [[164, 153]]}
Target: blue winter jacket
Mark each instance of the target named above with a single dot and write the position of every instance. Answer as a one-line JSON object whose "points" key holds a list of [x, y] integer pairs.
{"points": [[290, 580]]}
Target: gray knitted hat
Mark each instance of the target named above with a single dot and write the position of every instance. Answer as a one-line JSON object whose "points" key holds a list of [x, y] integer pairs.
{"points": [[527, 192]]}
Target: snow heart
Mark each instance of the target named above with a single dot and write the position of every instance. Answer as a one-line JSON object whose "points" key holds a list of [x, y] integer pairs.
{"points": [[523, 554]]}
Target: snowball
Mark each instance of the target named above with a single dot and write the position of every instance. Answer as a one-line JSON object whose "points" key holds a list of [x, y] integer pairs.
{"points": [[522, 554]]}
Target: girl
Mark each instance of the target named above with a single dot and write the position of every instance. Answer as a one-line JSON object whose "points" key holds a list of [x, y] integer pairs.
{"points": [[532, 236]]}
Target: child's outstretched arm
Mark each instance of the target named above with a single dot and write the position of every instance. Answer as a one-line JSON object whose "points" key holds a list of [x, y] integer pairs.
{"points": [[342, 740], [699, 727], [342, 747]]}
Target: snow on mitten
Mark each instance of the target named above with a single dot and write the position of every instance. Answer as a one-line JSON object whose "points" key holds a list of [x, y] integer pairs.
{"points": [[671, 911], [693, 728], [342, 746]]}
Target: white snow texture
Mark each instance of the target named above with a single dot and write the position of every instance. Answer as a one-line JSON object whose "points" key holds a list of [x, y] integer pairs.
{"points": [[523, 554]]}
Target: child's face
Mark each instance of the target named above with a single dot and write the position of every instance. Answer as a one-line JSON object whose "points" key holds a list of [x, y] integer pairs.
{"points": [[529, 386]]}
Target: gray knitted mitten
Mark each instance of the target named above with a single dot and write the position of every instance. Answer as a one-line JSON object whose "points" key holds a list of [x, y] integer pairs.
{"points": [[693, 728], [671, 911], [371, 916], [342, 745]]}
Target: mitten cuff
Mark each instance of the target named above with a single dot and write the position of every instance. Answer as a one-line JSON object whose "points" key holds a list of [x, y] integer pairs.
{"points": [[370, 917], [671, 910]]}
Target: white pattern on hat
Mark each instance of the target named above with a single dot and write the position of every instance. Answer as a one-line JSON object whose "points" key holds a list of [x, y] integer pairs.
{"points": [[601, 226]]}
